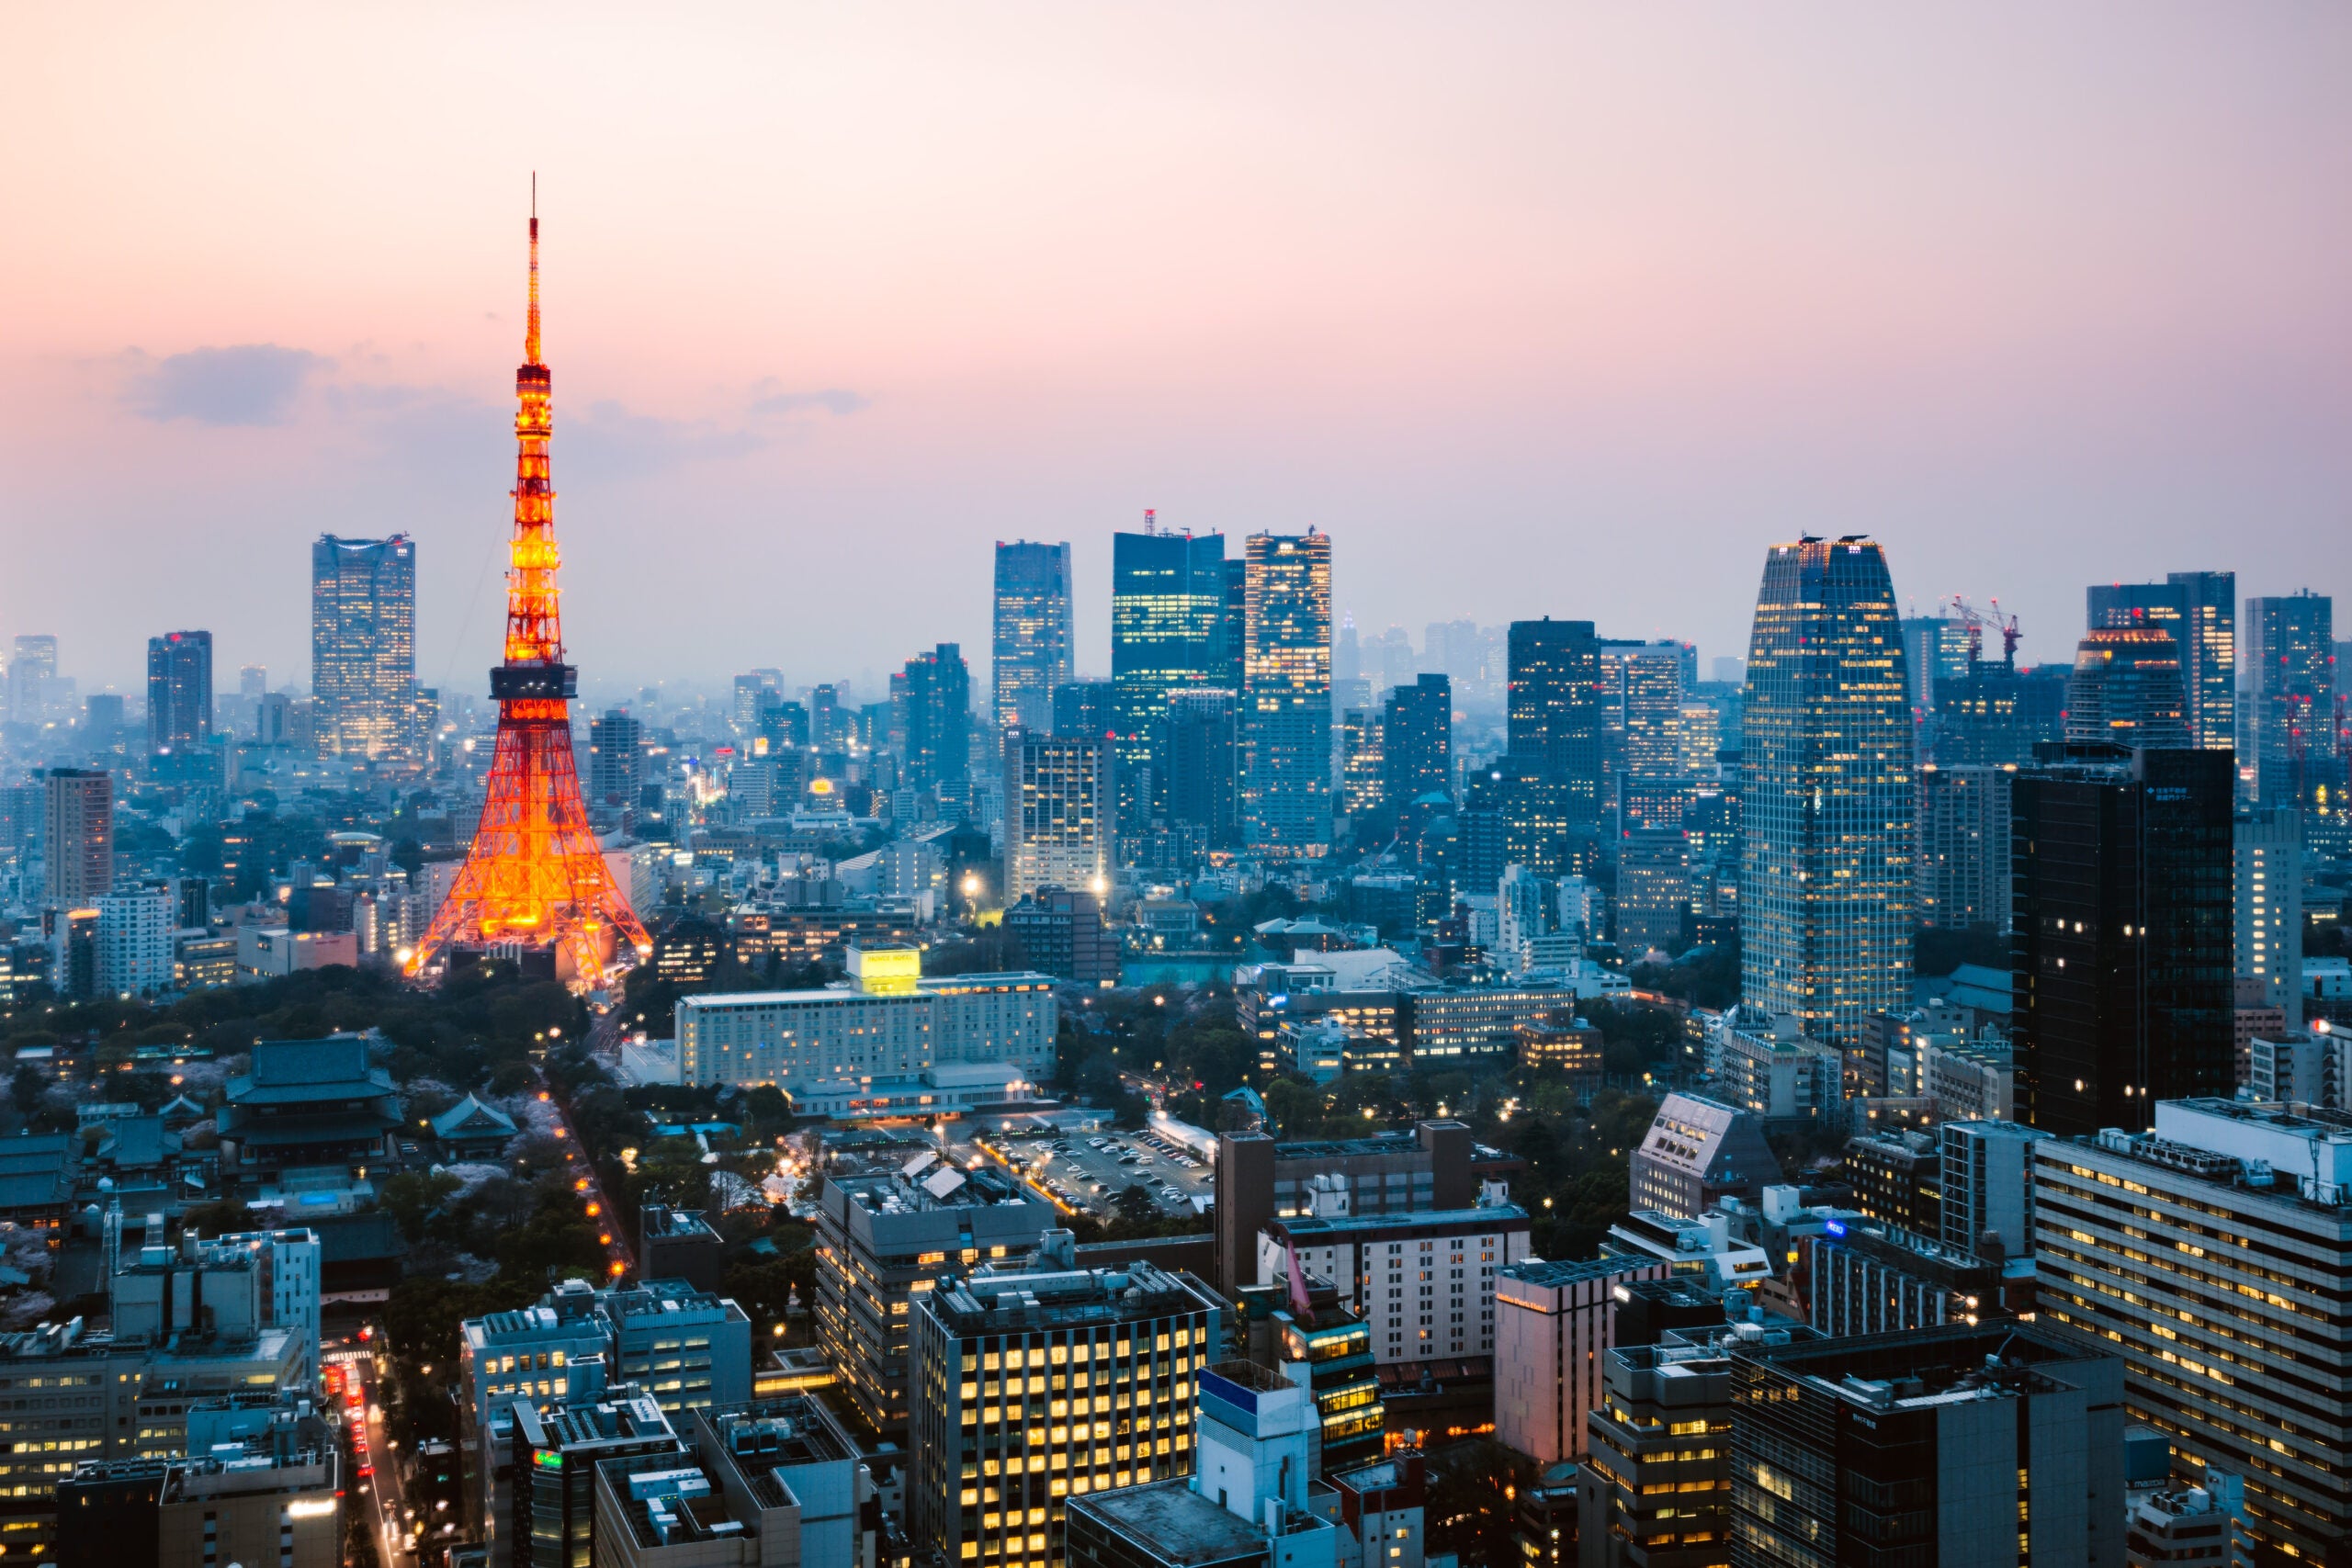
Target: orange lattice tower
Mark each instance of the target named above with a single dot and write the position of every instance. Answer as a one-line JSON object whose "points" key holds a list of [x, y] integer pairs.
{"points": [[536, 874]]}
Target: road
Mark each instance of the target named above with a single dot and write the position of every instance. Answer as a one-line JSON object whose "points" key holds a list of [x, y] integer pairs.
{"points": [[619, 1260], [388, 1509]]}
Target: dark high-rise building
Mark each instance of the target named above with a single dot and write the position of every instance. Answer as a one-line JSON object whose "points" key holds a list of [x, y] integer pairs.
{"points": [[1084, 710], [2121, 939], [1826, 788], [1963, 1444], [179, 691], [2199, 609], [2290, 659], [1416, 740], [829, 720], [1997, 713], [615, 758], [1286, 695], [363, 644], [1551, 788], [939, 717], [1030, 654], [2126, 691], [1202, 745], [784, 724], [1168, 633], [1060, 930]]}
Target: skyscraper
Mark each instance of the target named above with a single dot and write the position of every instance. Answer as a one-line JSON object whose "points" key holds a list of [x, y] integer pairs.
{"points": [[1203, 748], [1827, 788], [1936, 648], [1286, 695], [179, 691], [1960, 861], [2199, 610], [363, 643], [32, 672], [939, 717], [1641, 709], [1167, 634], [1417, 739], [1083, 710], [1553, 784], [753, 688], [1997, 713], [1056, 796], [1031, 651], [616, 754], [2268, 855], [2120, 944], [2291, 660], [2126, 691], [78, 835]]}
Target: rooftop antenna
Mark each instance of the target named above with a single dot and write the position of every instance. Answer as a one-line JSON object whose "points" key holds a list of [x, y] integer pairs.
{"points": [[531, 333], [1152, 520]]}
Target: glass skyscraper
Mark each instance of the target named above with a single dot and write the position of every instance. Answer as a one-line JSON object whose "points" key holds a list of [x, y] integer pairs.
{"points": [[938, 748], [1031, 653], [179, 691], [1552, 788], [2126, 691], [1286, 694], [363, 644], [1826, 790], [2291, 655], [2199, 609], [1168, 633]]}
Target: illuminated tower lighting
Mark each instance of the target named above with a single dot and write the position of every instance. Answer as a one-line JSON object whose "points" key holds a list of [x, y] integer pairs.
{"points": [[536, 874]]}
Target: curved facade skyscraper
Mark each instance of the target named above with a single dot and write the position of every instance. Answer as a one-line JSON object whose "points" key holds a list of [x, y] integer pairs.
{"points": [[2126, 691], [1824, 886]]}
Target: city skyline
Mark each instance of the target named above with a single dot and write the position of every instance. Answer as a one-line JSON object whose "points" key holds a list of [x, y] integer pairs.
{"points": [[1924, 335]]}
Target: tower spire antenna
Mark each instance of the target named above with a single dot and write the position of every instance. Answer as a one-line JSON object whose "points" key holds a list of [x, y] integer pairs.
{"points": [[531, 333]]}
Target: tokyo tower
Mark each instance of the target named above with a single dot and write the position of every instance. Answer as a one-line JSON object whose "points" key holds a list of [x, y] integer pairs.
{"points": [[536, 875]]}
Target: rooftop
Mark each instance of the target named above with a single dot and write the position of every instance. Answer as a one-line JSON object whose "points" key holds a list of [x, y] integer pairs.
{"points": [[921, 1181], [1307, 1229], [1536, 1271], [1179, 1525], [2289, 1152], [986, 1303]]}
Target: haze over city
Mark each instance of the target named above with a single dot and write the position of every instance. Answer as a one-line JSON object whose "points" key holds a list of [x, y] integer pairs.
{"points": [[2035, 296]]}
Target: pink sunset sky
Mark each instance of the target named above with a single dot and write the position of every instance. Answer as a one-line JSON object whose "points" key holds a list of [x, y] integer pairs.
{"points": [[1536, 310]]}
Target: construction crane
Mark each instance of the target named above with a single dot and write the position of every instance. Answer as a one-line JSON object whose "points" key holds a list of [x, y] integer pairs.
{"points": [[1977, 620]]}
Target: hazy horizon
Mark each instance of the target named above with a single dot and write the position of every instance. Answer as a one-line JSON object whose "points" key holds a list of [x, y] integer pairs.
{"points": [[1536, 312]]}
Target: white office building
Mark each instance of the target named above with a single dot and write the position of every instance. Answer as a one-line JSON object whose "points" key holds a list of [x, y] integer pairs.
{"points": [[887, 1029], [136, 927]]}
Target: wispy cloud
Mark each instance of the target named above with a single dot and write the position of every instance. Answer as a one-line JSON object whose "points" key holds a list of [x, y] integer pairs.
{"points": [[247, 384], [770, 398], [611, 442]]}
